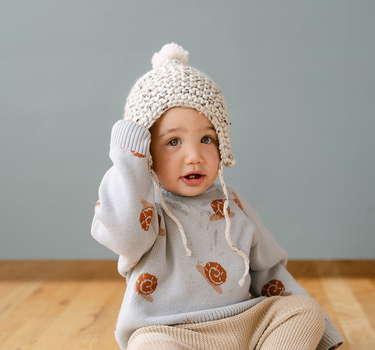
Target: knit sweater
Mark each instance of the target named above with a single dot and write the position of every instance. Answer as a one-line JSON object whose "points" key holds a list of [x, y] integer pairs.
{"points": [[164, 285]]}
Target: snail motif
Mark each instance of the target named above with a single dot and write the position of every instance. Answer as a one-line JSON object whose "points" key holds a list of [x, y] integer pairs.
{"points": [[238, 202], [214, 274], [274, 288], [145, 285], [97, 204], [218, 207], [146, 215]]}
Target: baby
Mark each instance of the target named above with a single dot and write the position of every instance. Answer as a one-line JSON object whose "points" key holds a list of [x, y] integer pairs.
{"points": [[192, 251]]}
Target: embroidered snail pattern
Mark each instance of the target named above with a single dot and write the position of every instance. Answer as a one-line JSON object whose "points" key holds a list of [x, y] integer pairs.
{"points": [[97, 204], [146, 215], [161, 230], [139, 155], [274, 288], [145, 285], [218, 206], [238, 202], [214, 274]]}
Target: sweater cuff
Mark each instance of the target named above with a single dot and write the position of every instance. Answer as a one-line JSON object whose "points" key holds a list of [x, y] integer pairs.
{"points": [[132, 136], [331, 336]]}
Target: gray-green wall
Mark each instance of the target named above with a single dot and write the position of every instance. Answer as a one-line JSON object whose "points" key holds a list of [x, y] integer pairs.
{"points": [[300, 84]]}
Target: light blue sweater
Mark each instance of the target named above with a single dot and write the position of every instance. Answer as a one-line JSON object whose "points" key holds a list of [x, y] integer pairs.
{"points": [[164, 285]]}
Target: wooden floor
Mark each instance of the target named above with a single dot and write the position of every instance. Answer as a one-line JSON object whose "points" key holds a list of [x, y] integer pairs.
{"points": [[73, 305]]}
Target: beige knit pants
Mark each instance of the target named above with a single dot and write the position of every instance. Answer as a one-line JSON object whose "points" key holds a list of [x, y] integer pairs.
{"points": [[277, 323]]}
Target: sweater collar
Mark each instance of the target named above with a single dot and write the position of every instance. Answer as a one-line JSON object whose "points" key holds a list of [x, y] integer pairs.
{"points": [[178, 197]]}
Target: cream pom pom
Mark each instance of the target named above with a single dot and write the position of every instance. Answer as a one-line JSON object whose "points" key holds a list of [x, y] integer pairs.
{"points": [[169, 52]]}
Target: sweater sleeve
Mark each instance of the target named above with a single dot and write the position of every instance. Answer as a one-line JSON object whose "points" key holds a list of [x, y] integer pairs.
{"points": [[269, 276], [125, 217]]}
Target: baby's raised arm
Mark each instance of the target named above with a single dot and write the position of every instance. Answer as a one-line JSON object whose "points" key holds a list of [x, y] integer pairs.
{"points": [[125, 217]]}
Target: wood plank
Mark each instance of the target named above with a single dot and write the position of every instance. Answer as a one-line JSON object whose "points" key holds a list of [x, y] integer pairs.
{"points": [[80, 319], [364, 292], [30, 320], [41, 306], [43, 300], [350, 314]]}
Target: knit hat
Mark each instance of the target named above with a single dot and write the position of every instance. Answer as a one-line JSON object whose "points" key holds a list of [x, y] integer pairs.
{"points": [[172, 83]]}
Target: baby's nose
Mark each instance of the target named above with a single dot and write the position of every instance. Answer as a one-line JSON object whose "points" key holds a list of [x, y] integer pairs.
{"points": [[193, 156]]}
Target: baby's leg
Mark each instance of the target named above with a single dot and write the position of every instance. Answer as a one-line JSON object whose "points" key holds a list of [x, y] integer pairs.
{"points": [[298, 323], [156, 341], [277, 323]]}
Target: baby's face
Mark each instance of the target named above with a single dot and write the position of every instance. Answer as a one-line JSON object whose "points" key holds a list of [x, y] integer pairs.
{"points": [[185, 152]]}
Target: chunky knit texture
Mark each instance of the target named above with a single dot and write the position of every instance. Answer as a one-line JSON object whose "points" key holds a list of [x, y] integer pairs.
{"points": [[174, 84]]}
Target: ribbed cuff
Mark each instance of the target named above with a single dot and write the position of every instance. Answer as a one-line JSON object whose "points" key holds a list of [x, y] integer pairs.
{"points": [[132, 136], [331, 336]]}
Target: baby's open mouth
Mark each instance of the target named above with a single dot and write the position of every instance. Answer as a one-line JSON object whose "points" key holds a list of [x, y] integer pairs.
{"points": [[192, 176]]}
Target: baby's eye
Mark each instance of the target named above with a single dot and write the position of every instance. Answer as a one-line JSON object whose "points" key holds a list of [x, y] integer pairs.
{"points": [[174, 142], [206, 139]]}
